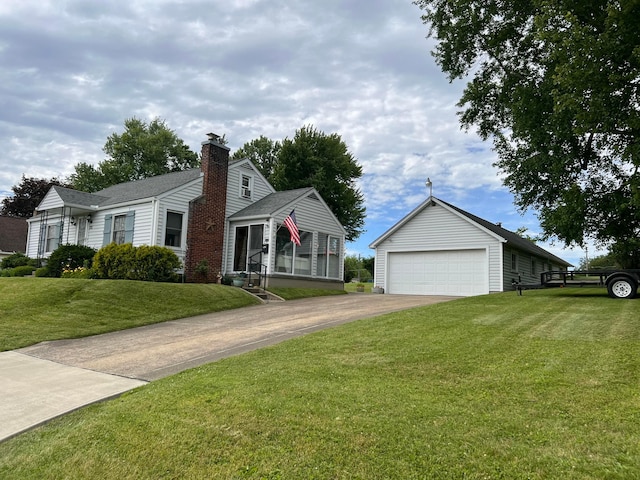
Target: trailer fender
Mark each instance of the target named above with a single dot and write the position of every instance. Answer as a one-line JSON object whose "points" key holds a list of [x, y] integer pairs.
{"points": [[622, 285]]}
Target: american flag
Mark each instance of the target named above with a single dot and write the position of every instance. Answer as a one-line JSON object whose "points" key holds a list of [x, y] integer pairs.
{"points": [[292, 226]]}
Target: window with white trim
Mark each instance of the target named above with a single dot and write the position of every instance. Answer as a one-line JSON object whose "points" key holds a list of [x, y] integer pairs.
{"points": [[53, 237], [292, 258], [246, 186], [328, 256], [173, 230], [118, 229]]}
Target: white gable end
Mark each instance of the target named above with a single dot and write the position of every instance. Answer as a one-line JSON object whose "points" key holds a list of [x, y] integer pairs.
{"points": [[50, 201], [441, 247]]}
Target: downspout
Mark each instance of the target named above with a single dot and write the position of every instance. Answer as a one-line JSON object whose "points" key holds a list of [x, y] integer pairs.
{"points": [[225, 246], [68, 218], [155, 222], [502, 260], [270, 253]]}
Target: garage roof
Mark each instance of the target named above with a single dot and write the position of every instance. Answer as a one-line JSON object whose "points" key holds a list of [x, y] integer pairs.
{"points": [[503, 234]]}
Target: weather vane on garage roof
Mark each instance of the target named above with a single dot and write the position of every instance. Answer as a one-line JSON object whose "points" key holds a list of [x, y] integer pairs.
{"points": [[429, 186]]}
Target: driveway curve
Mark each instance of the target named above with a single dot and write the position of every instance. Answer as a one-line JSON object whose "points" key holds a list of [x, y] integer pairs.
{"points": [[155, 351], [49, 379]]}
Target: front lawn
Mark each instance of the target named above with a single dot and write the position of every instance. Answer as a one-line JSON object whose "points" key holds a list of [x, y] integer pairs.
{"points": [[36, 309], [542, 386]]}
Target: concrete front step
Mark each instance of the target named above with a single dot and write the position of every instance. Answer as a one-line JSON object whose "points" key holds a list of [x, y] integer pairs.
{"points": [[263, 294]]}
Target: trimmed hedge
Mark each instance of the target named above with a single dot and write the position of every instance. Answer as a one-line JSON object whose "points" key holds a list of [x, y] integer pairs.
{"points": [[16, 260], [20, 271], [126, 262], [69, 257]]}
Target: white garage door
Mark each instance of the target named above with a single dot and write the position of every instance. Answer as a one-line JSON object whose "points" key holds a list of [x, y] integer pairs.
{"points": [[454, 272]]}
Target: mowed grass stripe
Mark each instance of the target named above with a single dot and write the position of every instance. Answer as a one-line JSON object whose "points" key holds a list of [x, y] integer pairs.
{"points": [[548, 390]]}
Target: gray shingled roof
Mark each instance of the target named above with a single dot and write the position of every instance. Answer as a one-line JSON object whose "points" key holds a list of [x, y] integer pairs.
{"points": [[146, 187], [75, 197], [127, 192], [512, 238], [272, 203]]}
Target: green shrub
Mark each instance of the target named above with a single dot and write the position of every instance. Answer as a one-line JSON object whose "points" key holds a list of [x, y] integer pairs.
{"points": [[22, 271], [114, 261], [42, 272], [5, 272], [15, 260], [126, 262], [155, 264], [69, 257]]}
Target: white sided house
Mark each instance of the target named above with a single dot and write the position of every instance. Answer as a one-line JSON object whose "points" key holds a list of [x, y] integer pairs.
{"points": [[439, 249], [222, 219]]}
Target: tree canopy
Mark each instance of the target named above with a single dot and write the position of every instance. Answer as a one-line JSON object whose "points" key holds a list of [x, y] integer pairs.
{"points": [[313, 158], [555, 84], [27, 195], [263, 153], [142, 150]]}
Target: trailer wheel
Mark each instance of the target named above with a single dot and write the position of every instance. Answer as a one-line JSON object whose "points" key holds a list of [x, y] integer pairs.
{"points": [[622, 287]]}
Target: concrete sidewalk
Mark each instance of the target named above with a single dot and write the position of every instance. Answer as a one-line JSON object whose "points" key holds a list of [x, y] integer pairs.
{"points": [[35, 390], [46, 380]]}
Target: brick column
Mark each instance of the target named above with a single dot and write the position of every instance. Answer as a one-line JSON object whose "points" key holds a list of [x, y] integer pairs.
{"points": [[207, 215]]}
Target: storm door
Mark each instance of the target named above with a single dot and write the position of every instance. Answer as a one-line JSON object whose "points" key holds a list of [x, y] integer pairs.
{"points": [[247, 247]]}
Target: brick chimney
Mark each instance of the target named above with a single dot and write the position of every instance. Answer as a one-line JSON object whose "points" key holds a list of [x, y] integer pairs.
{"points": [[205, 232]]}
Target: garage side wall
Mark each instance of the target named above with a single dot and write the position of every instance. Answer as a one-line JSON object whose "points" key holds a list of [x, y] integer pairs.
{"points": [[437, 229], [525, 267]]}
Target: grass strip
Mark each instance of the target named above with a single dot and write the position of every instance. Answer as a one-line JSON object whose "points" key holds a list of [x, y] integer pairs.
{"points": [[33, 310]]}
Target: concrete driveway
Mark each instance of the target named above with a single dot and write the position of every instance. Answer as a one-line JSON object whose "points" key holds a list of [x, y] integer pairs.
{"points": [[46, 380]]}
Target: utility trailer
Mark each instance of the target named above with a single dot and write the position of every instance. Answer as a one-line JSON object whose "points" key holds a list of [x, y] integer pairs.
{"points": [[620, 283]]}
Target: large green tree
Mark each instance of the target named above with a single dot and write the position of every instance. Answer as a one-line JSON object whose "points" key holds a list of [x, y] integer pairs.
{"points": [[263, 153], [555, 84], [142, 150], [313, 158], [27, 195]]}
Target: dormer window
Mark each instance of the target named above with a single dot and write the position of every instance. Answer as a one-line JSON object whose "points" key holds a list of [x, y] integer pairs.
{"points": [[246, 185]]}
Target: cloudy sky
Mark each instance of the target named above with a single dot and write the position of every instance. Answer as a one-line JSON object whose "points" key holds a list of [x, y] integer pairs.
{"points": [[71, 72]]}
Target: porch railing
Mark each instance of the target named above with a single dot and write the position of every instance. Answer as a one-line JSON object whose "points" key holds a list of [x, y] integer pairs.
{"points": [[257, 269]]}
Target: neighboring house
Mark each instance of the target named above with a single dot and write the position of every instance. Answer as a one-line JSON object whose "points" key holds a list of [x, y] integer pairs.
{"points": [[222, 219], [439, 249], [13, 236]]}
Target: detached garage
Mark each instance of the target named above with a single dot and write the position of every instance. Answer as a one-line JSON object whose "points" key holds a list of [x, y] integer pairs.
{"points": [[439, 249]]}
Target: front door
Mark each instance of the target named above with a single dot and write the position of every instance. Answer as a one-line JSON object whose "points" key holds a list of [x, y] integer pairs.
{"points": [[247, 247]]}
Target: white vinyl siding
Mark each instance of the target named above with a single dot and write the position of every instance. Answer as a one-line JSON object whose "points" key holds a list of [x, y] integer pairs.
{"points": [[260, 188], [50, 201], [32, 238], [525, 272], [176, 201]]}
